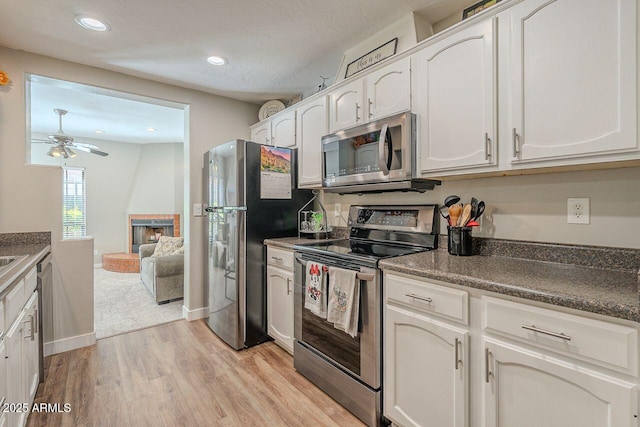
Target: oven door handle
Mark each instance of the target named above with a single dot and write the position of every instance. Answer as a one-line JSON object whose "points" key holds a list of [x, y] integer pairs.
{"points": [[384, 156]]}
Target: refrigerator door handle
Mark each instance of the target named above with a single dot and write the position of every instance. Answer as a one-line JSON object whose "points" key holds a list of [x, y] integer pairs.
{"points": [[225, 208]]}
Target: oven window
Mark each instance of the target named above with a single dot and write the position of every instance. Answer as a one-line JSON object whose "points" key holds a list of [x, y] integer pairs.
{"points": [[333, 343]]}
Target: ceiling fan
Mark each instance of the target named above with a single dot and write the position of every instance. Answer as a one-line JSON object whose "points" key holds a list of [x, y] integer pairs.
{"points": [[63, 143]]}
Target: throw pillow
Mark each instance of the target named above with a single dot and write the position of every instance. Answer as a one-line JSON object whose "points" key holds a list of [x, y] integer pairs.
{"points": [[179, 251], [166, 245]]}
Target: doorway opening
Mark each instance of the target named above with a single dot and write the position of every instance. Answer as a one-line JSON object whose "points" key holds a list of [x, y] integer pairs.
{"points": [[131, 150]]}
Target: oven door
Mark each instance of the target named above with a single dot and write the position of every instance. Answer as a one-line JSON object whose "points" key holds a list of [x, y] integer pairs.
{"points": [[359, 356], [377, 152]]}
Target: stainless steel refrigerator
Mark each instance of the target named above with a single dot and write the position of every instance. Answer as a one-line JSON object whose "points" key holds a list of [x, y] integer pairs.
{"points": [[252, 196]]}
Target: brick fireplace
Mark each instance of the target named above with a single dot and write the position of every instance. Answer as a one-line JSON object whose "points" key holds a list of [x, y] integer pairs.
{"points": [[142, 229]]}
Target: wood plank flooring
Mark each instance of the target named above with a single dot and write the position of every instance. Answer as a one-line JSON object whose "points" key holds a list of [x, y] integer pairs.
{"points": [[181, 374]]}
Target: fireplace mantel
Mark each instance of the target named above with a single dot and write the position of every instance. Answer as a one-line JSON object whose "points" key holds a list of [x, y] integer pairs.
{"points": [[137, 217]]}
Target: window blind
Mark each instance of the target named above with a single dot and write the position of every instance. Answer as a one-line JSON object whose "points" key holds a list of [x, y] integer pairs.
{"points": [[74, 202]]}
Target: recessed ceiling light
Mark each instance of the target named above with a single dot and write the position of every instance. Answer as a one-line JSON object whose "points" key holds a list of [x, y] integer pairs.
{"points": [[99, 131], [152, 129], [216, 60], [92, 23]]}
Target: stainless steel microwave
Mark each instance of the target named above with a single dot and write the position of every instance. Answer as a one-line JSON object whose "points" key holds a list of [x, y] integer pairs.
{"points": [[375, 157]]}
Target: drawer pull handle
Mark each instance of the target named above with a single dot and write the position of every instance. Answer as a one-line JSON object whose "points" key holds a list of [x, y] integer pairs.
{"points": [[426, 299], [288, 286], [546, 332], [458, 361], [276, 258]]}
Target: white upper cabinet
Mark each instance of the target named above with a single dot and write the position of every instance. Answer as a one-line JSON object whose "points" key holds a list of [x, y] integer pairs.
{"points": [[283, 129], [455, 101], [382, 93], [388, 90], [279, 130], [346, 106], [570, 79], [261, 133], [311, 126]]}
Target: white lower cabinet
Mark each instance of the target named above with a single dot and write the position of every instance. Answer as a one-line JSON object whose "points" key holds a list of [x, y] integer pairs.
{"points": [[21, 360], [3, 382], [527, 388], [426, 372], [16, 386], [280, 297], [514, 363]]}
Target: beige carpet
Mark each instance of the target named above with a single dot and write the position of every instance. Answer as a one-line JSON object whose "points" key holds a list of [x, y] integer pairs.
{"points": [[123, 304]]}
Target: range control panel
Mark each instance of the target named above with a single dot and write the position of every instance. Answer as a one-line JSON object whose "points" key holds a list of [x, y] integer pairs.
{"points": [[418, 218]]}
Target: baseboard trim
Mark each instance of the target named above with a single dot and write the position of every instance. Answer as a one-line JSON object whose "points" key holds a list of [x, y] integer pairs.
{"points": [[68, 344], [199, 313]]}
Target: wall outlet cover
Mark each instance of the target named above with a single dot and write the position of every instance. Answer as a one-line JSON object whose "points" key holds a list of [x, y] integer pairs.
{"points": [[578, 210]]}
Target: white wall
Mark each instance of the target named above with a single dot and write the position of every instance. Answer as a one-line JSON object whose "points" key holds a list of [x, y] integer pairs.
{"points": [[31, 199], [534, 207]]}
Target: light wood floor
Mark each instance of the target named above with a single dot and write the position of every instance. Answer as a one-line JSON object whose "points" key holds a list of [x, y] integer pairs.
{"points": [[181, 374]]}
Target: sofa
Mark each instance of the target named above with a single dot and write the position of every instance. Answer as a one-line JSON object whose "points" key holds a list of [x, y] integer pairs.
{"points": [[162, 273]]}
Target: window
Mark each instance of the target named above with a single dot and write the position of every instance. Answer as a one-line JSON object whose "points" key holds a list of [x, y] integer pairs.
{"points": [[74, 215]]}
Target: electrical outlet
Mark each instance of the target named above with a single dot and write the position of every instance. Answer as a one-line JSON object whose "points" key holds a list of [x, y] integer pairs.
{"points": [[337, 210], [578, 210]]}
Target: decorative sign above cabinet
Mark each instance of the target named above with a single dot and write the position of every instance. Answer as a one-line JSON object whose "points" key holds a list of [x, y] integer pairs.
{"points": [[365, 61]]}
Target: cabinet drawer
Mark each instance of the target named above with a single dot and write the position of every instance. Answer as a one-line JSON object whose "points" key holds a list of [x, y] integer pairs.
{"points": [[30, 282], [280, 257], [428, 297], [602, 343], [13, 303]]}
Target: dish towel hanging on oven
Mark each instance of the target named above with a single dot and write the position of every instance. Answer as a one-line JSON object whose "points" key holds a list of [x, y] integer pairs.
{"points": [[344, 300], [315, 298]]}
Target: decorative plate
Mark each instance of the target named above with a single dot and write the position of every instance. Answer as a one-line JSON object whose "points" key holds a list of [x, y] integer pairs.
{"points": [[269, 109]]}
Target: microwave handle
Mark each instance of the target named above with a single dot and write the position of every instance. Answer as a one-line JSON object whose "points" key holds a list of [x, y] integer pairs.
{"points": [[384, 156]]}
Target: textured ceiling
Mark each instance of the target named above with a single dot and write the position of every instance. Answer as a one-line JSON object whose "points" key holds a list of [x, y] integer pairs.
{"points": [[276, 49]]}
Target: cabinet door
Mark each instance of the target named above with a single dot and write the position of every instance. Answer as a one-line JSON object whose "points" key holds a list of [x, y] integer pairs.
{"points": [[345, 106], [426, 370], [311, 126], [455, 100], [262, 133], [528, 389], [31, 347], [280, 306], [16, 387], [573, 88], [389, 90], [283, 130], [3, 378]]}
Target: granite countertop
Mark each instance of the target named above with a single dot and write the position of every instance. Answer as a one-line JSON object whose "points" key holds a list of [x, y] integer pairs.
{"points": [[34, 246], [604, 291]]}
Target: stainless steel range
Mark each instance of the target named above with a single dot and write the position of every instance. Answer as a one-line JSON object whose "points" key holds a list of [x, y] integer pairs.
{"points": [[348, 368]]}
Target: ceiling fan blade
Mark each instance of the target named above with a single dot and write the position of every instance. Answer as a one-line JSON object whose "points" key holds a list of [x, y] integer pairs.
{"points": [[42, 141], [84, 144], [89, 150]]}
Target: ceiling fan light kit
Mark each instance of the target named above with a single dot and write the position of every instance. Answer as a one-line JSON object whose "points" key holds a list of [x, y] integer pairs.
{"points": [[64, 143]]}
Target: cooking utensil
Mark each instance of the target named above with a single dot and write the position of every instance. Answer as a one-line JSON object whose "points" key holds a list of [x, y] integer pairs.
{"points": [[480, 210], [451, 200], [466, 215], [473, 223], [454, 214], [444, 211], [474, 207]]}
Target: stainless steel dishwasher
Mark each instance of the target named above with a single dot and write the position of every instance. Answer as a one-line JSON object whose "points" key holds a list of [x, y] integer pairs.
{"points": [[45, 304]]}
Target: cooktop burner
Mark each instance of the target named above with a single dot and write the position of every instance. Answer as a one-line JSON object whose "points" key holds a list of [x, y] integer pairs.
{"points": [[359, 249]]}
